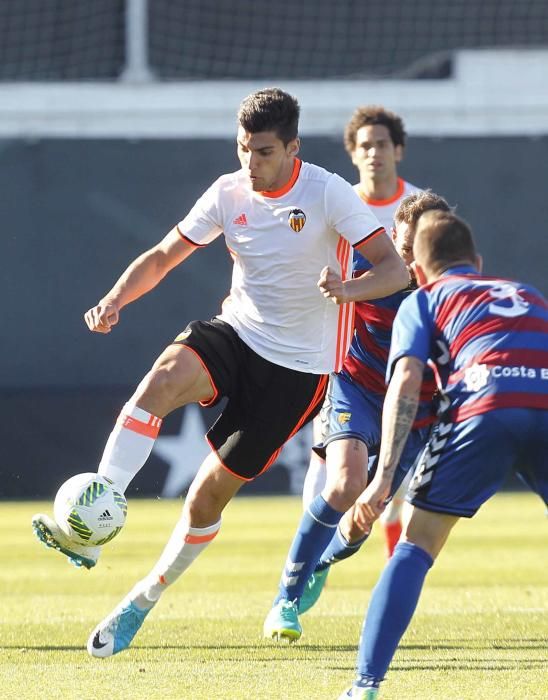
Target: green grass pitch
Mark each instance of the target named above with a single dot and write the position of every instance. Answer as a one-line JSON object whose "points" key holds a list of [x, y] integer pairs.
{"points": [[480, 632]]}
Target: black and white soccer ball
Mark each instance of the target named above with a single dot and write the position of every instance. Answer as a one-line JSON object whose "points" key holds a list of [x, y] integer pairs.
{"points": [[89, 510]]}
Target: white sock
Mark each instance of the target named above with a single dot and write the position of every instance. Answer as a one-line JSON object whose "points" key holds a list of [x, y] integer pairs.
{"points": [[129, 445], [184, 545]]}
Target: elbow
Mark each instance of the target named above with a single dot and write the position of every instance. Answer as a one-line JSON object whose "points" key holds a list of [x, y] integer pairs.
{"points": [[410, 370]]}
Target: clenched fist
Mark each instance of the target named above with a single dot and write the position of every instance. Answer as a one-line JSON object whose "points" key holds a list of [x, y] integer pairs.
{"points": [[332, 286], [102, 317]]}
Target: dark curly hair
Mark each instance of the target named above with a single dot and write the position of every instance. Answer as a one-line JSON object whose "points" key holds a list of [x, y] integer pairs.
{"points": [[374, 114]]}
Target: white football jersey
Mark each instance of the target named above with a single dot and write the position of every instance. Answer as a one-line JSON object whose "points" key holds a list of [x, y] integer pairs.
{"points": [[280, 241], [384, 208]]}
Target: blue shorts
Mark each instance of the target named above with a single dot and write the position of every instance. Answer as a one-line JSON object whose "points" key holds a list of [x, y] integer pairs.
{"points": [[350, 411], [465, 463]]}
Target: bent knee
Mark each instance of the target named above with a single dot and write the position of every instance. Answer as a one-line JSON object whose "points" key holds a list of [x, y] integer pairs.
{"points": [[177, 378], [342, 493]]}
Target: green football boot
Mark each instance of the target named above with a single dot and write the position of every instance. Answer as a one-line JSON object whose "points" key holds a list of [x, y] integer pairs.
{"points": [[313, 589], [282, 622]]}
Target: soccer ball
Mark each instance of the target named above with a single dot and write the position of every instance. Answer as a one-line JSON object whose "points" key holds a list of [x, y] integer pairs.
{"points": [[89, 510]]}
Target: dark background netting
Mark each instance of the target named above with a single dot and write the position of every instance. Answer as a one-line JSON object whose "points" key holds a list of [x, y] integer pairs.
{"points": [[326, 39], [61, 39], [257, 39]]}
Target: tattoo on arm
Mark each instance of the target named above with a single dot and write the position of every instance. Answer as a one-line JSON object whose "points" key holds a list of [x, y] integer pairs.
{"points": [[399, 411]]}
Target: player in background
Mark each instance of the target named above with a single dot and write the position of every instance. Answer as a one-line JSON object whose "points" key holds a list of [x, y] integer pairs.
{"points": [[351, 427], [286, 223], [374, 139], [488, 339]]}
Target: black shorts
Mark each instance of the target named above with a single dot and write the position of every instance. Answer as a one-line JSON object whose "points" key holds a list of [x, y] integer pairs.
{"points": [[267, 404]]}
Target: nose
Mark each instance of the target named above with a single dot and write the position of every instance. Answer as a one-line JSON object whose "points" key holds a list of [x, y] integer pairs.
{"points": [[252, 161]]}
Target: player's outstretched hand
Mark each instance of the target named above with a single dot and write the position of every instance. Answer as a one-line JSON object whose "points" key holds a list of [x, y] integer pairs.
{"points": [[371, 503], [331, 285], [102, 317]]}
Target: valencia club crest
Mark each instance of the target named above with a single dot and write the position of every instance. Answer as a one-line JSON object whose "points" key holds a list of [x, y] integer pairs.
{"points": [[297, 219]]}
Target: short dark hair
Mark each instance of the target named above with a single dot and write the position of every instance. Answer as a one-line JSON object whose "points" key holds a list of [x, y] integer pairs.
{"points": [[412, 207], [270, 109], [374, 114], [443, 239]]}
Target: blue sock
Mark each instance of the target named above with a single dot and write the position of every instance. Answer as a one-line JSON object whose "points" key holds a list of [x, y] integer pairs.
{"points": [[391, 608], [314, 533], [338, 549]]}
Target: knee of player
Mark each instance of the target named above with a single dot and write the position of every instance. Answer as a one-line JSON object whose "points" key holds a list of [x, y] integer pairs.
{"points": [[163, 381], [202, 508], [342, 493]]}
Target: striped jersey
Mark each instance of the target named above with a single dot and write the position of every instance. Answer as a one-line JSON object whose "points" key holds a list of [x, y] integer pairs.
{"points": [[279, 242], [487, 337], [368, 353]]}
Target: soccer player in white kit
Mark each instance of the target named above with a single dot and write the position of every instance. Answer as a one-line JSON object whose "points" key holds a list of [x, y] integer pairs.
{"points": [[290, 227], [374, 139]]}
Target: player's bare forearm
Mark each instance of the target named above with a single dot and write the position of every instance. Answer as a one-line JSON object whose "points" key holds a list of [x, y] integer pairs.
{"points": [[142, 275], [388, 274], [398, 413], [386, 277]]}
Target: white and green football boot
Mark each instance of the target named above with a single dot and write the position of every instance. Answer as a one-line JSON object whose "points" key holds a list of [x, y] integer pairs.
{"points": [[48, 532], [282, 622], [313, 589]]}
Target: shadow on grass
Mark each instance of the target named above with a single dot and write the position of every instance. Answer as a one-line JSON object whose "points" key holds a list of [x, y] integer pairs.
{"points": [[265, 644], [461, 665]]}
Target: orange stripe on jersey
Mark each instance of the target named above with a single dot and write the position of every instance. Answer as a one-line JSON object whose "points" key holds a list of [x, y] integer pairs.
{"points": [[292, 180], [150, 429], [200, 539], [346, 311], [384, 202]]}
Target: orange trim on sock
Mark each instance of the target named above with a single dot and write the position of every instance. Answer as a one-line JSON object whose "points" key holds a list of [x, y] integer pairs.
{"points": [[150, 429], [162, 580], [200, 539]]}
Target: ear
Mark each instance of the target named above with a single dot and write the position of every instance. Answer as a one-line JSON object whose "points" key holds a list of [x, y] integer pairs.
{"points": [[398, 153], [479, 263], [419, 273], [293, 147]]}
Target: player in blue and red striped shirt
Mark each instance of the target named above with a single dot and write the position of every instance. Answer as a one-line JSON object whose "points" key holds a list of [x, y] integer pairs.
{"points": [[351, 422], [488, 339]]}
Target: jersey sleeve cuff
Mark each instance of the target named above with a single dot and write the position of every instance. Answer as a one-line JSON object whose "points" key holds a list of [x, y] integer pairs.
{"points": [[369, 236]]}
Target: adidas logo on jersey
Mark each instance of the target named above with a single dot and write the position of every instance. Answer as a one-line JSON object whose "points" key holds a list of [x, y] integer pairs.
{"points": [[240, 220]]}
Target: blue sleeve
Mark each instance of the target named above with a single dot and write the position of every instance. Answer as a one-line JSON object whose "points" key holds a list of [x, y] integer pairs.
{"points": [[412, 331]]}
